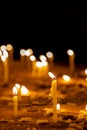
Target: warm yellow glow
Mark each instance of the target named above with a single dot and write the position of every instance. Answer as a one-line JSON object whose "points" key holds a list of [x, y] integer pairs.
{"points": [[49, 54], [22, 52], [24, 90], [66, 77], [0, 52], [58, 106], [32, 58], [9, 47], [5, 53], [86, 107], [51, 75], [85, 71], [3, 47], [70, 52], [42, 58], [15, 90], [44, 63], [30, 51], [3, 58], [39, 64], [17, 86]]}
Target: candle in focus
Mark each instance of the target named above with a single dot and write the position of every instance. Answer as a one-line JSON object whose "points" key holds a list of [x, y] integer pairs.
{"points": [[15, 100], [54, 95], [71, 61]]}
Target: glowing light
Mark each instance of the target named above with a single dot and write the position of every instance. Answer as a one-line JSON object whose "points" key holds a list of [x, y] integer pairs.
{"points": [[39, 64], [22, 52], [3, 47], [17, 85], [86, 107], [42, 58], [58, 106], [32, 58], [70, 52], [15, 91], [85, 71], [24, 90], [49, 54], [9, 47], [66, 77], [51, 75]]}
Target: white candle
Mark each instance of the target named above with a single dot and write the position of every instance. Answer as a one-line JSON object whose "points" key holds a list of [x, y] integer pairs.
{"points": [[15, 100], [54, 96], [71, 61]]}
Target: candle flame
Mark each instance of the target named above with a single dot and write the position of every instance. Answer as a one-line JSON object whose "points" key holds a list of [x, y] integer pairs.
{"points": [[66, 77], [32, 58], [85, 71], [15, 90], [22, 52], [49, 54], [42, 58], [9, 47], [86, 107], [24, 90], [51, 75], [58, 106], [70, 52]]}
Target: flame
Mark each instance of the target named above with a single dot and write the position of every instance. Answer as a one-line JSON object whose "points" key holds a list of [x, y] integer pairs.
{"points": [[32, 58], [58, 106], [85, 71], [39, 64], [49, 54], [24, 90], [9, 47], [42, 58], [70, 52], [22, 52], [15, 90], [86, 107], [66, 77], [51, 75]]}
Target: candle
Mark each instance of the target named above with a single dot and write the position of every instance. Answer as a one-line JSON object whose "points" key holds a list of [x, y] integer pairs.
{"points": [[54, 95], [15, 100], [4, 59], [71, 61]]}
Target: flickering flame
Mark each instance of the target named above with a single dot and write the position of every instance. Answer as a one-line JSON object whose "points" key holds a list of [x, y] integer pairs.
{"points": [[58, 106], [85, 71], [24, 90], [51, 75], [22, 52], [15, 90], [9, 47], [42, 58], [66, 77], [49, 54], [32, 58], [70, 52]]}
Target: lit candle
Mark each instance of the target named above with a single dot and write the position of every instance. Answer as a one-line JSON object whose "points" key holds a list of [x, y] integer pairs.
{"points": [[4, 59], [9, 48], [15, 100], [71, 61], [54, 95], [50, 58]]}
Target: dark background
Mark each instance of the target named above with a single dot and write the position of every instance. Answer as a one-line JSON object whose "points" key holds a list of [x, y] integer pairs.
{"points": [[48, 29]]}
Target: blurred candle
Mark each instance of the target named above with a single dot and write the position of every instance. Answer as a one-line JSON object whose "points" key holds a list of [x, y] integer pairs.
{"points": [[4, 59], [54, 95], [9, 48], [71, 61], [15, 100]]}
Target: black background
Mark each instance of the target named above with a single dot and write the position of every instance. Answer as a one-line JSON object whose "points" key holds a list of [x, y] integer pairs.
{"points": [[48, 29]]}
